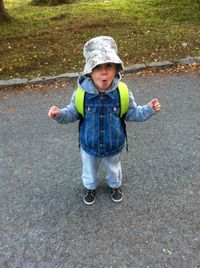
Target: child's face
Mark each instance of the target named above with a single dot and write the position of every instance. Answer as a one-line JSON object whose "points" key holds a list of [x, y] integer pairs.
{"points": [[103, 75]]}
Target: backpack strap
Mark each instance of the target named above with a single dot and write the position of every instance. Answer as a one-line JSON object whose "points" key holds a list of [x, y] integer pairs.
{"points": [[124, 104], [80, 106], [79, 101], [124, 98]]}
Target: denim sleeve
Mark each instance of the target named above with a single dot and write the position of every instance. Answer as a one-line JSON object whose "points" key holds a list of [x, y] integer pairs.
{"points": [[136, 112], [68, 114]]}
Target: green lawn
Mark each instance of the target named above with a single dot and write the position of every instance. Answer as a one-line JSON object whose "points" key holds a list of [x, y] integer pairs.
{"points": [[145, 30]]}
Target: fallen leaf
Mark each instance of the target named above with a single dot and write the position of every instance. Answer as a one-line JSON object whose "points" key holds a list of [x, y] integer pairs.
{"points": [[10, 110]]}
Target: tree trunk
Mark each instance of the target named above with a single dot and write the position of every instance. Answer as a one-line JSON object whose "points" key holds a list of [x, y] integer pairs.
{"points": [[4, 16]]}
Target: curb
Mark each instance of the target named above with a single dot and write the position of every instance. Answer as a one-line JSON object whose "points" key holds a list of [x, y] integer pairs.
{"points": [[16, 82]]}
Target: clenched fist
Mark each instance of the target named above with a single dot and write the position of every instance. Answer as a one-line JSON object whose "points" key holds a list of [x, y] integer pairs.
{"points": [[53, 112], [154, 104]]}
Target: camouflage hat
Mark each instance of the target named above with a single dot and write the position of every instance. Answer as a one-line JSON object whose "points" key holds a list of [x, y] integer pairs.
{"points": [[100, 50]]}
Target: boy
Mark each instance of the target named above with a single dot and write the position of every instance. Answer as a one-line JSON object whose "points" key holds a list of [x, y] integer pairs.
{"points": [[102, 134]]}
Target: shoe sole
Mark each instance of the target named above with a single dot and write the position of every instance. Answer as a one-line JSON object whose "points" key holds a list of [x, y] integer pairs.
{"points": [[116, 200], [89, 203]]}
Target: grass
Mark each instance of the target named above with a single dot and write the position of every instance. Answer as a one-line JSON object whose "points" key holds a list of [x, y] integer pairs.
{"points": [[145, 30]]}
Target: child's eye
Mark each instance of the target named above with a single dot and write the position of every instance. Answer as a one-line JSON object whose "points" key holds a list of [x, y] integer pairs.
{"points": [[97, 67], [109, 65], [106, 65]]}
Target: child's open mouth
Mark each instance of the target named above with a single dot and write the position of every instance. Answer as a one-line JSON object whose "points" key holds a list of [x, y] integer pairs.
{"points": [[104, 81]]}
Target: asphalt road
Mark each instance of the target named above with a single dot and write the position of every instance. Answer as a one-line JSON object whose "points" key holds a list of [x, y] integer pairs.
{"points": [[43, 220]]}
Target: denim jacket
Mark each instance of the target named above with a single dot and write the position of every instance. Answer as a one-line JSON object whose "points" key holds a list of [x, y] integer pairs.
{"points": [[102, 133]]}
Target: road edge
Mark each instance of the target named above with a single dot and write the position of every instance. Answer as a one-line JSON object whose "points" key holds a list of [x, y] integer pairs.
{"points": [[16, 82]]}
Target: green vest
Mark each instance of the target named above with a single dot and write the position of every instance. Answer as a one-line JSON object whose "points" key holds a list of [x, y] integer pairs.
{"points": [[123, 94]]}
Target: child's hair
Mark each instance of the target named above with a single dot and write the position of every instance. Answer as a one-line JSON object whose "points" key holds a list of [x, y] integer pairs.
{"points": [[101, 50]]}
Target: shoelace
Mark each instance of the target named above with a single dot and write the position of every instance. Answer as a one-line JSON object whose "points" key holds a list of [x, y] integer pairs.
{"points": [[87, 191], [116, 190]]}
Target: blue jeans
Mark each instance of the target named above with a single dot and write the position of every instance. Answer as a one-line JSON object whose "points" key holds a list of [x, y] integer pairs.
{"points": [[90, 170]]}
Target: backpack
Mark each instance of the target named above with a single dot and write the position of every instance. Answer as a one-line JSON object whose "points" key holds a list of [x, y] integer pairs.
{"points": [[124, 104]]}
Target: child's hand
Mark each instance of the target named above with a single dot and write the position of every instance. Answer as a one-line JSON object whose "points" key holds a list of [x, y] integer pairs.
{"points": [[53, 112], [154, 104]]}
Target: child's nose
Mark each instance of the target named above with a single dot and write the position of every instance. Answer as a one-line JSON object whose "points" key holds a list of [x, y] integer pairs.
{"points": [[103, 69]]}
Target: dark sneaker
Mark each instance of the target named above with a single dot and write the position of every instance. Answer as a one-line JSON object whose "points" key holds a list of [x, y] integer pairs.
{"points": [[116, 194], [89, 197]]}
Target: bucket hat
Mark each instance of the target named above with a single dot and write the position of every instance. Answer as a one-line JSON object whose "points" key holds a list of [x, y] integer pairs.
{"points": [[100, 50]]}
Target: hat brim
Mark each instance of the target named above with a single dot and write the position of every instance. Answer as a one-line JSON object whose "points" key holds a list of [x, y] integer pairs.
{"points": [[97, 58]]}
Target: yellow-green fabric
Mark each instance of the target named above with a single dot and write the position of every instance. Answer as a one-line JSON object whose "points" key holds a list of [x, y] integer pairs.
{"points": [[123, 94]]}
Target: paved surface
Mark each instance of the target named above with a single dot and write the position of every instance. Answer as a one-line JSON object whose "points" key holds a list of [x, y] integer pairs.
{"points": [[43, 221]]}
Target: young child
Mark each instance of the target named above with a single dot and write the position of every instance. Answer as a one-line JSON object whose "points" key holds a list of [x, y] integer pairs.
{"points": [[102, 135]]}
